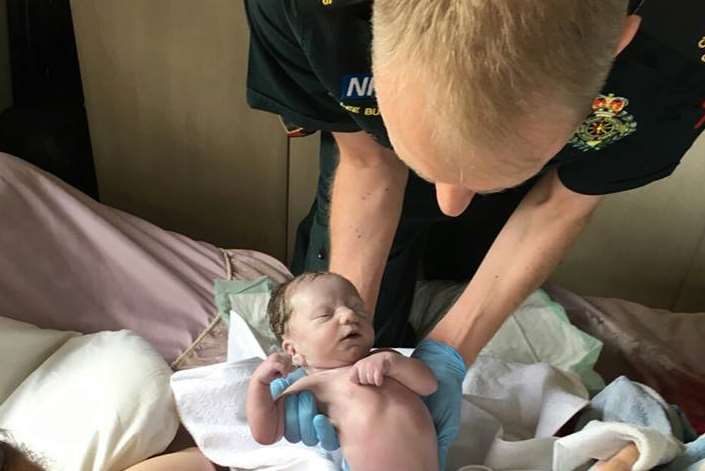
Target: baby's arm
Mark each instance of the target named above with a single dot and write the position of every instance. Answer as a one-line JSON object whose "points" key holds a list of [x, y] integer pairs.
{"points": [[265, 416], [413, 374], [410, 372]]}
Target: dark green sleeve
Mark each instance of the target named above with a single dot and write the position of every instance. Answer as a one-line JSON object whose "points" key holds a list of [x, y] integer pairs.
{"points": [[662, 75], [280, 79]]}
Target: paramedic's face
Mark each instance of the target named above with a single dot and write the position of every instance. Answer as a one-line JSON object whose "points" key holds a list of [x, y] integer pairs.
{"points": [[329, 326], [459, 178]]}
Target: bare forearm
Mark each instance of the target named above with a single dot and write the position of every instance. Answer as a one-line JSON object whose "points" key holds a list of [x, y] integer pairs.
{"points": [[365, 209], [413, 374], [264, 415], [524, 254]]}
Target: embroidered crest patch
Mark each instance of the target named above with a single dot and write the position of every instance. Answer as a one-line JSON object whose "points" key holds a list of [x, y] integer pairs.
{"points": [[608, 123]]}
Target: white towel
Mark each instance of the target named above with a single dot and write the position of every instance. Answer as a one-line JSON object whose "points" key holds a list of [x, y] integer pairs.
{"points": [[211, 402], [510, 415], [511, 412], [506, 405], [601, 440]]}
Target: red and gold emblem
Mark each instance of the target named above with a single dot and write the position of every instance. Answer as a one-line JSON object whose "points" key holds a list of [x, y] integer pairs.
{"points": [[609, 122]]}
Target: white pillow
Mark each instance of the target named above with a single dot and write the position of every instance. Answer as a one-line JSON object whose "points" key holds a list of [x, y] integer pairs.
{"points": [[23, 347], [101, 402]]}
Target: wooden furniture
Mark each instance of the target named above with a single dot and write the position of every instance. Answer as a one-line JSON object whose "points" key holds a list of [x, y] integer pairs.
{"points": [[173, 138]]}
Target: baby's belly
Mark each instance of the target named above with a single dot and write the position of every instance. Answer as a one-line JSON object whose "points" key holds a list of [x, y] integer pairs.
{"points": [[385, 429]]}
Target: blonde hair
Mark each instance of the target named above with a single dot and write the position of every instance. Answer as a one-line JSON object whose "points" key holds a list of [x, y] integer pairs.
{"points": [[485, 64]]}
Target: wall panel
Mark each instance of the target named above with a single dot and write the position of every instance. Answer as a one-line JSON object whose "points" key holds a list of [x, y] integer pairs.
{"points": [[641, 244], [303, 177], [173, 138]]}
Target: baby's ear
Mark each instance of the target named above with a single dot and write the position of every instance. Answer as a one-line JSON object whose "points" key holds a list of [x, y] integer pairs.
{"points": [[288, 347], [296, 358]]}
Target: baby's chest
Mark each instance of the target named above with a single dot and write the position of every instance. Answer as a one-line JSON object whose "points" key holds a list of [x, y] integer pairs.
{"points": [[343, 400]]}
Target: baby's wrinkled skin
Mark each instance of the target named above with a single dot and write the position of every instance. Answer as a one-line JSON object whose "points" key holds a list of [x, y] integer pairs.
{"points": [[372, 398]]}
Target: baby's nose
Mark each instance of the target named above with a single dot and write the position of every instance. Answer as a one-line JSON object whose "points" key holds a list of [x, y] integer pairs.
{"points": [[347, 316]]}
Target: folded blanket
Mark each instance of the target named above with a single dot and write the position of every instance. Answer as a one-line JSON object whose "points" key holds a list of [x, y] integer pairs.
{"points": [[510, 412], [625, 401], [510, 416], [100, 402], [599, 440], [513, 407]]}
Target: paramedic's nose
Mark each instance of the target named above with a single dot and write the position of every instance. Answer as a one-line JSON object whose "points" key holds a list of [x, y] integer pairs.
{"points": [[453, 199]]}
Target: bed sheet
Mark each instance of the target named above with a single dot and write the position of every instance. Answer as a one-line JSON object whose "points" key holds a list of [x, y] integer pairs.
{"points": [[662, 349]]}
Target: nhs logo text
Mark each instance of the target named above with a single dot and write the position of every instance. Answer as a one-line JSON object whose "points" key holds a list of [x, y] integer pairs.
{"points": [[356, 87]]}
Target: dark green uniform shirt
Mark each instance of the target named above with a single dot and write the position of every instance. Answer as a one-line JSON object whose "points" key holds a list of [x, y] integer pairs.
{"points": [[310, 63]]}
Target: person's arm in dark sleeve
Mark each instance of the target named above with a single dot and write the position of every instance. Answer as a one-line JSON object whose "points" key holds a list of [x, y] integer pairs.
{"points": [[280, 79]]}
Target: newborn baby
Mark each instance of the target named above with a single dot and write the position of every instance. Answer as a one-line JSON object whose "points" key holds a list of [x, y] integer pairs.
{"points": [[372, 398]]}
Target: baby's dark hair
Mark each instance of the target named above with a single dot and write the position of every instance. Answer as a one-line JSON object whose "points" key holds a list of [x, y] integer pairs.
{"points": [[16, 459], [279, 309]]}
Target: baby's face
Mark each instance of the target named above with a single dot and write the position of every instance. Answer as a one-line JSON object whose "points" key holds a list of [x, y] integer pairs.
{"points": [[329, 326]]}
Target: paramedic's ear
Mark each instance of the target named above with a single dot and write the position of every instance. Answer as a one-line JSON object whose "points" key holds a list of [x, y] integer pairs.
{"points": [[631, 26]]}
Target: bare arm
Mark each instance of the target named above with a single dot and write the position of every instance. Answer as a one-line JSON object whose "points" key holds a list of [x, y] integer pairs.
{"points": [[526, 251], [412, 373], [265, 416], [368, 192]]}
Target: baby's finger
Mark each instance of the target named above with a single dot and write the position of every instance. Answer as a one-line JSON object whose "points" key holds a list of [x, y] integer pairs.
{"points": [[361, 375], [379, 377], [371, 376], [385, 367], [285, 360], [282, 368], [354, 375]]}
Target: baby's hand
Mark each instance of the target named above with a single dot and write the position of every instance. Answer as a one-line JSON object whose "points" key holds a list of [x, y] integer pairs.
{"points": [[277, 365], [372, 369]]}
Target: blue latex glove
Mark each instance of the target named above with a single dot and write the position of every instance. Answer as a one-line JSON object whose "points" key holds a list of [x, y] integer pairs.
{"points": [[449, 369], [302, 422]]}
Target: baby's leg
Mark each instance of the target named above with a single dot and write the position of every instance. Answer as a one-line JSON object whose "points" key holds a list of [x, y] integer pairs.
{"points": [[190, 459]]}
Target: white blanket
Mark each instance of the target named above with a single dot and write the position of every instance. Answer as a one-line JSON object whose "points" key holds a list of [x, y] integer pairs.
{"points": [[99, 402], [510, 415]]}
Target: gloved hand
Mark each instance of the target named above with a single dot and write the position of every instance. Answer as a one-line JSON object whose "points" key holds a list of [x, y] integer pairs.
{"points": [[302, 421], [449, 369]]}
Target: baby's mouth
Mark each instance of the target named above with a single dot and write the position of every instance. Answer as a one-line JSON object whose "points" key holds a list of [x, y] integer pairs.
{"points": [[351, 336]]}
